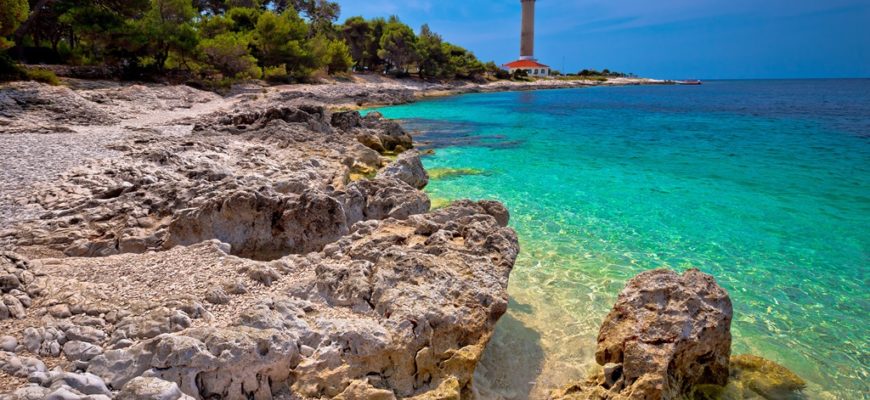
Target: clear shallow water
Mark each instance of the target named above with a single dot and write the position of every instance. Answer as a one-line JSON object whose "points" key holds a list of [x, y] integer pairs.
{"points": [[764, 184]]}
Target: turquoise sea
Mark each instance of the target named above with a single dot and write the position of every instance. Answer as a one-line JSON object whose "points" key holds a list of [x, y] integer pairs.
{"points": [[763, 184]]}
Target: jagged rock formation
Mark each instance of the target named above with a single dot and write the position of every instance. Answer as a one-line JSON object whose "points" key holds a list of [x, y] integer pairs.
{"points": [[253, 187], [268, 253], [15, 276], [669, 337]]}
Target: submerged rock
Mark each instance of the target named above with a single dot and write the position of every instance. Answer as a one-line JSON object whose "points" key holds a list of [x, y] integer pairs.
{"points": [[753, 377], [448, 173]]}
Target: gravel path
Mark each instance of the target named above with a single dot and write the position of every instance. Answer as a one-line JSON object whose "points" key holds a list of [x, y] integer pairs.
{"points": [[29, 159]]}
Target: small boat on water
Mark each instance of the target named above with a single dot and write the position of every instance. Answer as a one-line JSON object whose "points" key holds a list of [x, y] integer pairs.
{"points": [[689, 82]]}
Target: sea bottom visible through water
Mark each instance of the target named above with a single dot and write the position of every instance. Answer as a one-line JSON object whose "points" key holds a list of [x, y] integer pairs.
{"points": [[763, 184]]}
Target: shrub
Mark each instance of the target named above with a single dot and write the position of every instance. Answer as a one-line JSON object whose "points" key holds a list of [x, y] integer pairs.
{"points": [[520, 75], [9, 71], [276, 74], [42, 75]]}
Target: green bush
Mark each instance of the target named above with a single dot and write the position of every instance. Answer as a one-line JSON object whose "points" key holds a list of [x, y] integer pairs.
{"points": [[276, 74], [520, 75], [42, 75], [9, 70]]}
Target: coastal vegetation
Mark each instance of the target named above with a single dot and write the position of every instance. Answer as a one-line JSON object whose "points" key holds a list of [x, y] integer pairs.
{"points": [[222, 41], [594, 75]]}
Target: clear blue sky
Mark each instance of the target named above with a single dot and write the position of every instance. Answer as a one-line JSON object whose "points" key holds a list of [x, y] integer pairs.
{"points": [[657, 38]]}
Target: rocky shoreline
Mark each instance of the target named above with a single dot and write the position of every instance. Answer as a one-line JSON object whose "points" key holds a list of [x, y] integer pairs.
{"points": [[160, 242]]}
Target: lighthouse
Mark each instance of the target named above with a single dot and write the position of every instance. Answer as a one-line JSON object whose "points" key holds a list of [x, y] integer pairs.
{"points": [[527, 37], [527, 61]]}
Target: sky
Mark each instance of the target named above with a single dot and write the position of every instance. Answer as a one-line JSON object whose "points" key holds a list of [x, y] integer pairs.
{"points": [[676, 39]]}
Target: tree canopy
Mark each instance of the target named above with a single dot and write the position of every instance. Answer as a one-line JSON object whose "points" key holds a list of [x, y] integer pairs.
{"points": [[12, 14], [225, 39]]}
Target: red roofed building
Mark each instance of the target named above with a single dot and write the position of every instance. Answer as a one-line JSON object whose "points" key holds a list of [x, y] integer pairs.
{"points": [[527, 61], [532, 67]]}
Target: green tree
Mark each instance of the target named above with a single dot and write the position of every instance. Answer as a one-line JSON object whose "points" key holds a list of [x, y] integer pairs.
{"points": [[321, 13], [373, 60], [398, 45], [356, 32], [330, 54], [243, 3], [94, 28], [12, 14], [243, 19], [463, 63], [212, 7], [211, 26], [281, 40], [168, 26], [494, 70], [430, 49], [230, 54]]}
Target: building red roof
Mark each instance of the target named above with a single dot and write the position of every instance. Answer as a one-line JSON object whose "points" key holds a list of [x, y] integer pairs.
{"points": [[526, 64]]}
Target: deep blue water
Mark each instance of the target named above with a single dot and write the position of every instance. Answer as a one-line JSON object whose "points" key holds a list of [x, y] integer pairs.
{"points": [[764, 184]]}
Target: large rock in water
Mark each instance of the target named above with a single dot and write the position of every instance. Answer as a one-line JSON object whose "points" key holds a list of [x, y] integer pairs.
{"points": [[666, 333]]}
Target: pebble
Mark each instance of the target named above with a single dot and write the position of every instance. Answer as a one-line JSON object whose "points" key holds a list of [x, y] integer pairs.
{"points": [[63, 393], [8, 343], [75, 350], [217, 296], [60, 311], [32, 340], [86, 334], [39, 378], [85, 383]]}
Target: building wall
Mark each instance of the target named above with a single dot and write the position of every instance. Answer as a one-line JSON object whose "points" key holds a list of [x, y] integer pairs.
{"points": [[533, 71]]}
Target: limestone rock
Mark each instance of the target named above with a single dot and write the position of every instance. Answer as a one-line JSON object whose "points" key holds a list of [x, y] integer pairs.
{"points": [[408, 168], [85, 383], [15, 276], [346, 120], [371, 141], [670, 332], [217, 296], [383, 198], [667, 333], [20, 366], [60, 311], [142, 388], [753, 377], [764, 377], [81, 351], [390, 133], [8, 343], [87, 334], [342, 281], [30, 393]]}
